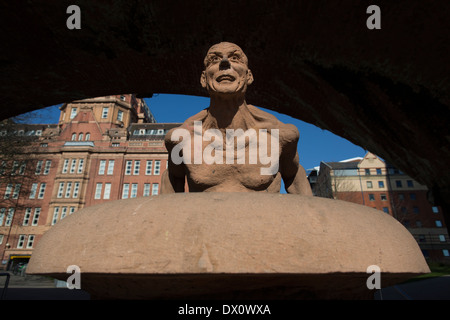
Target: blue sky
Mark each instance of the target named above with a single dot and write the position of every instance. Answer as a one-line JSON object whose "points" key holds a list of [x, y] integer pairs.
{"points": [[315, 145]]}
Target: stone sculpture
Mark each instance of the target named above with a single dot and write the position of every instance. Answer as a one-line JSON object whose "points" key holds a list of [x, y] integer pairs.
{"points": [[222, 165]]}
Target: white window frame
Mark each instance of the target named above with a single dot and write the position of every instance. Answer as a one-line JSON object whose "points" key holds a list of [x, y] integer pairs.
{"points": [[134, 190], [107, 191], [76, 189], [98, 191], [105, 112], [73, 166], [8, 191], [26, 216], [137, 167], [63, 212], [21, 241], [60, 190], [42, 190], [110, 170], [125, 190], [55, 215], [36, 215], [30, 241], [155, 189], [9, 217], [146, 192], [157, 168], [65, 166], [68, 190], [148, 168], [73, 113], [38, 167], [16, 191], [80, 166], [102, 167], [48, 164], [128, 167]]}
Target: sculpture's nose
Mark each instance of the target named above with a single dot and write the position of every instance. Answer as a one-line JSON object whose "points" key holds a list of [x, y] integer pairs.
{"points": [[224, 64]]}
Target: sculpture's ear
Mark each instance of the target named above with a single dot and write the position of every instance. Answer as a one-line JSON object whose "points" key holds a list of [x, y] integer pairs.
{"points": [[249, 77], [203, 79]]}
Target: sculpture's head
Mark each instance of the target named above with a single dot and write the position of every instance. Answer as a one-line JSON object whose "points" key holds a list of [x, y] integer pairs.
{"points": [[226, 70]]}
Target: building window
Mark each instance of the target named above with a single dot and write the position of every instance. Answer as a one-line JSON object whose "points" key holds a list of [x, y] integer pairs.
{"points": [[120, 115], [122, 98], [383, 197], [371, 197], [9, 217], [369, 184], [445, 253], [48, 164], [16, 191], [148, 168], [74, 136], [385, 209], [22, 168], [63, 212], [380, 184], [406, 223], [398, 183], [129, 164], [412, 196], [21, 241], [42, 191], [435, 209], [401, 196], [76, 189], [38, 167], [157, 167], [8, 191], [125, 191], [137, 166], [367, 172], [60, 190], [30, 241], [55, 215], [80, 136], [73, 165], [68, 189], [2, 215], [88, 136], [65, 166], [115, 144], [410, 183], [98, 191], [73, 113], [110, 167], [146, 189], [155, 188], [105, 113], [416, 210], [442, 238], [80, 165], [37, 213], [438, 223], [107, 192], [101, 168], [404, 210], [26, 217], [134, 189], [422, 238], [418, 224], [378, 172], [71, 210]]}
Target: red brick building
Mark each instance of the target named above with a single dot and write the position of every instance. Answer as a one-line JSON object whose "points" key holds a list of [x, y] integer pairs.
{"points": [[102, 149], [371, 182]]}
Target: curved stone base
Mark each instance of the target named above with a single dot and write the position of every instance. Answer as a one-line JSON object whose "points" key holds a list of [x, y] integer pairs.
{"points": [[228, 245]]}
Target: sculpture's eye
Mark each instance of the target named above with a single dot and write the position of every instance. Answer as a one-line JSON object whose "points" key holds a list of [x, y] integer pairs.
{"points": [[234, 58], [215, 59]]}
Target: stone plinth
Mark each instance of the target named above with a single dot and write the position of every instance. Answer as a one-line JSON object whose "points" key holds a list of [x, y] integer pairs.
{"points": [[228, 245]]}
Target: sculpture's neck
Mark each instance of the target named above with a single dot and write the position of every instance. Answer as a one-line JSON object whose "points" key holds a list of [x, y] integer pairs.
{"points": [[228, 113]]}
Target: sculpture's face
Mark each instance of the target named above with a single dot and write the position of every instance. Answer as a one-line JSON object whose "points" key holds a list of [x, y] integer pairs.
{"points": [[226, 69]]}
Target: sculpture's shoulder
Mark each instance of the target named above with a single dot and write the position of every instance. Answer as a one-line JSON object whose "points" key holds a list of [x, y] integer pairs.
{"points": [[287, 132], [172, 136]]}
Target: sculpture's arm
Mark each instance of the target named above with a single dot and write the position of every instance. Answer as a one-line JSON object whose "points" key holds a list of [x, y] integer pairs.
{"points": [[293, 174], [173, 179]]}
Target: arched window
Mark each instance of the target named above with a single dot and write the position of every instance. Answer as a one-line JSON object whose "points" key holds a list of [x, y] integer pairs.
{"points": [[88, 136], [80, 137], [74, 136]]}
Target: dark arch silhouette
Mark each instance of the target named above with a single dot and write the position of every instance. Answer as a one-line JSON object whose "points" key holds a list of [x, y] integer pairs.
{"points": [[386, 90]]}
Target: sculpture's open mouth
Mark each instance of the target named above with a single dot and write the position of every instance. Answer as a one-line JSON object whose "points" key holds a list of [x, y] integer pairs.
{"points": [[225, 77]]}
